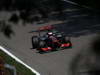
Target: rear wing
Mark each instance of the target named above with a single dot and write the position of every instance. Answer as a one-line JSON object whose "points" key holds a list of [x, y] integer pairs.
{"points": [[44, 28]]}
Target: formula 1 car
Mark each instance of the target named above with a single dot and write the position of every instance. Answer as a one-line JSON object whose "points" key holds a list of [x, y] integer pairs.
{"points": [[51, 40]]}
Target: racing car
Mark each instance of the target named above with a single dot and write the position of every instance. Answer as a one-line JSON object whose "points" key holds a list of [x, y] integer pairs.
{"points": [[51, 40]]}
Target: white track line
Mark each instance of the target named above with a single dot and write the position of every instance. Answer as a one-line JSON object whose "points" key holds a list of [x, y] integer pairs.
{"points": [[74, 3], [18, 60]]}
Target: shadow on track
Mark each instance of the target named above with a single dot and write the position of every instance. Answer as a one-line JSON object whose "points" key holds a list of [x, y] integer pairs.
{"points": [[76, 21], [6, 29], [87, 62], [79, 23]]}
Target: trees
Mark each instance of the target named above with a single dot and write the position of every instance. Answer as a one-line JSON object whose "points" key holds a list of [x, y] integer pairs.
{"points": [[41, 6], [29, 11]]}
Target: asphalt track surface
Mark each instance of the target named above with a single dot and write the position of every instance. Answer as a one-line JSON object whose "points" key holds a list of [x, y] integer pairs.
{"points": [[54, 63]]}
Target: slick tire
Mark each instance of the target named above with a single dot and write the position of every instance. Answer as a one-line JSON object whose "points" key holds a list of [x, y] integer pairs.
{"points": [[35, 42], [42, 44]]}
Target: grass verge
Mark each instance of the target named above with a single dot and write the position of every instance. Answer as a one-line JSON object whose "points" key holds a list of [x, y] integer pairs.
{"points": [[21, 69]]}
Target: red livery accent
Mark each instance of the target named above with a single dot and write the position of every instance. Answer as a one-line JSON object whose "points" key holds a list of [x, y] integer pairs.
{"points": [[65, 45], [46, 49]]}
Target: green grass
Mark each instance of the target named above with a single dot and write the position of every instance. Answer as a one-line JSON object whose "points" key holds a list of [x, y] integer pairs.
{"points": [[21, 69]]}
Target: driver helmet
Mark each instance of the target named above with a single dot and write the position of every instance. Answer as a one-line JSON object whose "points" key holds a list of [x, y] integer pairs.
{"points": [[50, 33]]}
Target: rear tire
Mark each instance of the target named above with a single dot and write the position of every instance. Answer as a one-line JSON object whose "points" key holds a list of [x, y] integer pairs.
{"points": [[35, 42], [68, 40]]}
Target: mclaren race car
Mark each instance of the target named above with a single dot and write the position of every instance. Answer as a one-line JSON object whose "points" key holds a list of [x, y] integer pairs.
{"points": [[51, 40]]}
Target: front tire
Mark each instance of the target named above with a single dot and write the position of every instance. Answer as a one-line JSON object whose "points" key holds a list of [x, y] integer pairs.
{"points": [[42, 44]]}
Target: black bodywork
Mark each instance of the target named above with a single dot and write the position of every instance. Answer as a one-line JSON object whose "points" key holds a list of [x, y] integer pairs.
{"points": [[51, 40]]}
